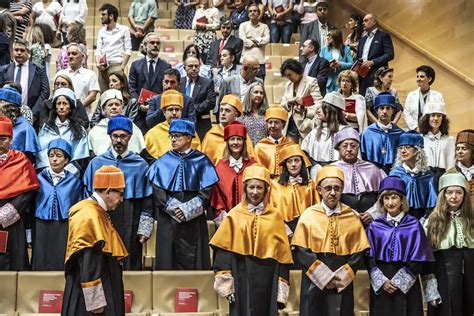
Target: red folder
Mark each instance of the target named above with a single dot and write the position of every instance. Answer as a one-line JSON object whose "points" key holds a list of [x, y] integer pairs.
{"points": [[186, 300], [361, 71], [145, 96], [279, 9], [202, 19], [50, 301], [169, 49], [128, 296], [308, 100], [350, 106], [3, 241]]}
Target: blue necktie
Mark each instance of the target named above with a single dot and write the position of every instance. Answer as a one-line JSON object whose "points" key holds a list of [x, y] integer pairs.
{"points": [[188, 88], [18, 74]]}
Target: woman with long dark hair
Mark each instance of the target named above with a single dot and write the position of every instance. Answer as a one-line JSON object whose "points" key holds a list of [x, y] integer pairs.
{"points": [[356, 27]]}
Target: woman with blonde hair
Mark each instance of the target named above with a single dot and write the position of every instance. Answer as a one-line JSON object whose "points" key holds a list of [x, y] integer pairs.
{"points": [[450, 230], [355, 112], [38, 52]]}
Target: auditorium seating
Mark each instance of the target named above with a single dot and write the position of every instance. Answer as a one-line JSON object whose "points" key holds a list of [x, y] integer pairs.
{"points": [[8, 280], [140, 283]]}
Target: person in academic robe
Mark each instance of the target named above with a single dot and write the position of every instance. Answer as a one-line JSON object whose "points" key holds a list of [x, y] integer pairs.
{"points": [[17, 187], [411, 166], [252, 253], [64, 123], [94, 251], [398, 250], [378, 142], [439, 145], [213, 144], [319, 144], [59, 190], [182, 182], [98, 138], [267, 151], [329, 243], [227, 193], [450, 231], [132, 218], [293, 191], [156, 139], [361, 178], [465, 158], [24, 135]]}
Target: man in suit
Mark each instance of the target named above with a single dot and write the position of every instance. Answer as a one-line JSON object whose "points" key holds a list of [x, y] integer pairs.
{"points": [[227, 41], [171, 79], [32, 78], [317, 29], [375, 50], [147, 73], [201, 90], [315, 66], [247, 76]]}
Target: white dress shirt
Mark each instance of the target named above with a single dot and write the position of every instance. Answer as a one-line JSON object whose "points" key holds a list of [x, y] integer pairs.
{"points": [[23, 80], [114, 44], [331, 211], [62, 126], [368, 42], [323, 33], [395, 219], [99, 200]]}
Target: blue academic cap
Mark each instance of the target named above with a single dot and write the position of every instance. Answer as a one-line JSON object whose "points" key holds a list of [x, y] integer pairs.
{"points": [[182, 126]]}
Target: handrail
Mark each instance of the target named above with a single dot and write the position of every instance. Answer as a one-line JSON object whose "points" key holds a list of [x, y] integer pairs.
{"points": [[417, 47]]}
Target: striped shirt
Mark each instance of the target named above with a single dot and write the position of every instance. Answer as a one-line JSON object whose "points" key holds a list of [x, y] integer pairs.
{"points": [[21, 26]]}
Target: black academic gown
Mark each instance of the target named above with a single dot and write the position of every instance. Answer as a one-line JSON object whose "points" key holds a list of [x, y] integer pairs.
{"points": [[16, 256], [255, 282], [314, 301], [181, 246], [455, 287], [88, 265]]}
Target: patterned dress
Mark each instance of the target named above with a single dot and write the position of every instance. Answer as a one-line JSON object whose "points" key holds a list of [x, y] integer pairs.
{"points": [[184, 16], [256, 127]]}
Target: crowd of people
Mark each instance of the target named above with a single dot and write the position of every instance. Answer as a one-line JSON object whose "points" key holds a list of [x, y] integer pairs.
{"points": [[325, 182]]}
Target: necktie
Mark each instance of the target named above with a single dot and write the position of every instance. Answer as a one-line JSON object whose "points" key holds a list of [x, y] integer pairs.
{"points": [[276, 142], [394, 222], [119, 157], [151, 69], [188, 88], [18, 74], [221, 47]]}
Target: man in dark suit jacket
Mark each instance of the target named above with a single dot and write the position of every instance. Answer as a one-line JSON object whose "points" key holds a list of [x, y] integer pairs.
{"points": [[155, 114], [318, 28], [375, 50], [32, 78], [147, 73], [201, 90], [315, 66], [227, 41]]}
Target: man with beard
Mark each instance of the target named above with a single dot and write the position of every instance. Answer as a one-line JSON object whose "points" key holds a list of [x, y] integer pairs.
{"points": [[361, 178], [379, 141], [114, 46], [132, 219]]}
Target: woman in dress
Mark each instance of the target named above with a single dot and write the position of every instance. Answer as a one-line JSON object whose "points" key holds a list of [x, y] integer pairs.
{"points": [[228, 67], [47, 12], [73, 11], [338, 55], [355, 112], [185, 13], [206, 23], [227, 192], [253, 117], [398, 251], [357, 29], [450, 231], [252, 253]]}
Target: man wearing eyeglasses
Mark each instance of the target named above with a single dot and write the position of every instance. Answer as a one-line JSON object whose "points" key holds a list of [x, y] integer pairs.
{"points": [[329, 242], [182, 182], [361, 178], [132, 218], [85, 81], [95, 251]]}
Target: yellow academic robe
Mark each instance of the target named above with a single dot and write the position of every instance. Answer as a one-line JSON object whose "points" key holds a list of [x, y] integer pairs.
{"points": [[157, 142], [267, 154], [213, 144], [291, 200]]}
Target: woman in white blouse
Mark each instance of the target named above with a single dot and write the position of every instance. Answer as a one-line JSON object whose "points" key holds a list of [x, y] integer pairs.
{"points": [[73, 11], [205, 22], [439, 146], [355, 112], [46, 12]]}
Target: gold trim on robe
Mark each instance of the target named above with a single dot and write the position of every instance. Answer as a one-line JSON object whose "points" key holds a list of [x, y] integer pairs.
{"points": [[291, 200], [157, 141], [341, 234], [262, 236], [268, 154], [89, 225]]}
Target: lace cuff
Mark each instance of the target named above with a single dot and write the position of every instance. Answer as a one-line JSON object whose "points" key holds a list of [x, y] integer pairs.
{"points": [[345, 276], [320, 274], [145, 227], [283, 291], [192, 208], [224, 283], [8, 215], [94, 296], [430, 288], [218, 220], [377, 279], [404, 280]]}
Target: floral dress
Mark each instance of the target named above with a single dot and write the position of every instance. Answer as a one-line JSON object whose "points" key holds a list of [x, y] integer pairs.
{"points": [[204, 38], [184, 16]]}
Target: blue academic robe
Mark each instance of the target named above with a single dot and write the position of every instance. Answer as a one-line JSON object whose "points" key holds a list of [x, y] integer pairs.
{"points": [[24, 137], [379, 147]]}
